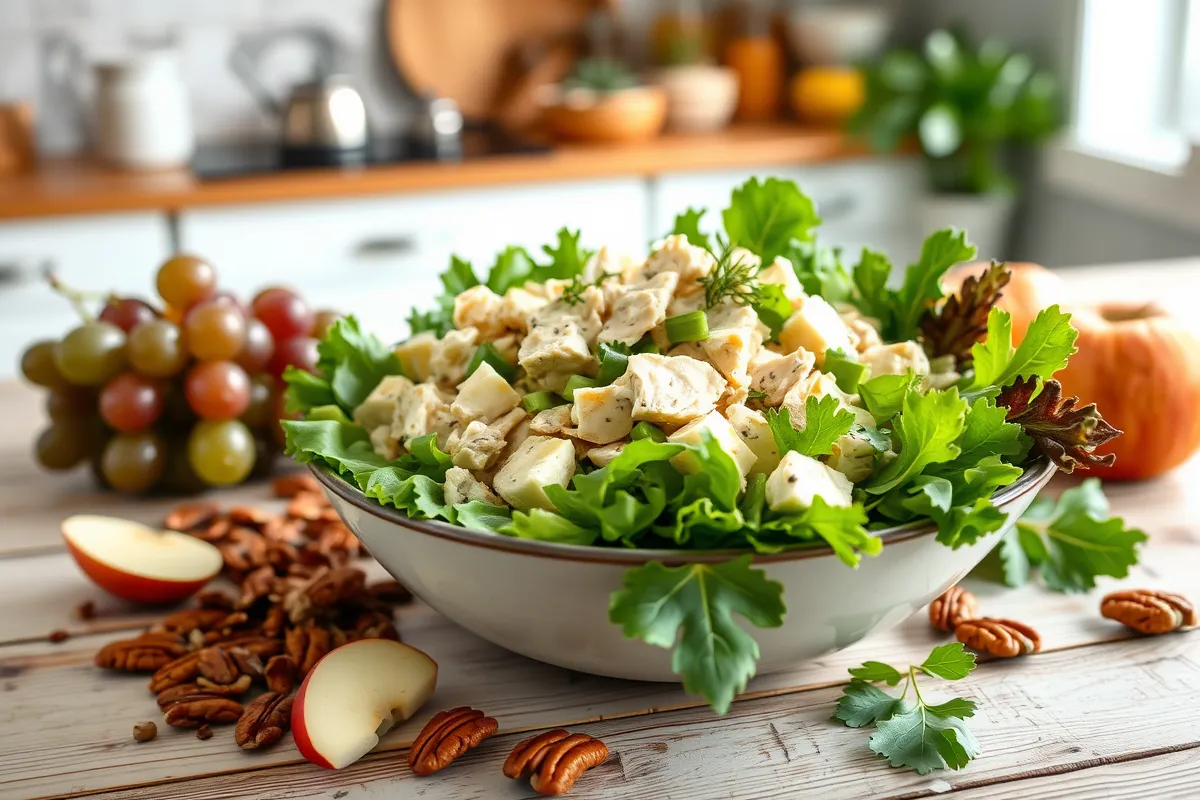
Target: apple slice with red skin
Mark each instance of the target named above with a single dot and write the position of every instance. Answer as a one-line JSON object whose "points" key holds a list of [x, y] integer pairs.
{"points": [[139, 563], [354, 695]]}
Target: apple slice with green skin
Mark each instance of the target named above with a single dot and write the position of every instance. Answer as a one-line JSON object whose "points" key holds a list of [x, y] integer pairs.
{"points": [[139, 563], [354, 695]]}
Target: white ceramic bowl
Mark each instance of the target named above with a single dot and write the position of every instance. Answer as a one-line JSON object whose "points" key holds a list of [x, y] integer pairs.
{"points": [[700, 97], [550, 601], [830, 34]]}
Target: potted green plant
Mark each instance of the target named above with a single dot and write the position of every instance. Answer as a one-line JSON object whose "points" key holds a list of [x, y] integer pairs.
{"points": [[967, 107]]}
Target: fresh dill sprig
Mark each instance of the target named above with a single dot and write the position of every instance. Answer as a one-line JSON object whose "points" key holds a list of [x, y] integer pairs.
{"points": [[731, 278], [573, 293]]}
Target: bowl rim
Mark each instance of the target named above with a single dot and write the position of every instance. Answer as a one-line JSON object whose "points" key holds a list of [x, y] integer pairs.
{"points": [[1035, 477]]}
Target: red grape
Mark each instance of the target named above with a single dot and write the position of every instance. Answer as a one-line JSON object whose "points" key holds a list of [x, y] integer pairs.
{"points": [[185, 280], [257, 348], [127, 313], [215, 330], [300, 351], [131, 403], [283, 312], [218, 390]]}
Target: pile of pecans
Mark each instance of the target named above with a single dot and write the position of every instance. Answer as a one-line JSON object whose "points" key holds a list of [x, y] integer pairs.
{"points": [[297, 600]]}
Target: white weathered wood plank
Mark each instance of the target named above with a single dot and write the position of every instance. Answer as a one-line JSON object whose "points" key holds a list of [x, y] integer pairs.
{"points": [[1038, 715], [1170, 776], [85, 714]]}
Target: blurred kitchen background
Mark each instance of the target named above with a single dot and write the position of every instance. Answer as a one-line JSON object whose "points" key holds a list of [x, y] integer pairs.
{"points": [[347, 147]]}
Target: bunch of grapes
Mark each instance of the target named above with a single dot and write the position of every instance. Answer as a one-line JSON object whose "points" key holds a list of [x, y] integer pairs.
{"points": [[176, 399]]}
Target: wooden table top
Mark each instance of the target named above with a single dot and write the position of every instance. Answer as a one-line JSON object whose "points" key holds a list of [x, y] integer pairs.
{"points": [[74, 186], [1099, 713]]}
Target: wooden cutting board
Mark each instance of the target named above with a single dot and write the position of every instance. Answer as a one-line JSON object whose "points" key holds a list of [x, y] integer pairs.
{"points": [[462, 49]]}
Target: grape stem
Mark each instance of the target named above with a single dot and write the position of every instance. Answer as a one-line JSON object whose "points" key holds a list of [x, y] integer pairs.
{"points": [[76, 297]]}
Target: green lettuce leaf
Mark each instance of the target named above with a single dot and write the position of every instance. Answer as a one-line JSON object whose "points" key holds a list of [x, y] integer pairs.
{"points": [[479, 516], [690, 608], [1048, 343], [841, 527], [567, 258], [513, 268], [688, 224], [764, 217], [820, 270], [346, 448], [884, 395], [546, 526], [350, 364], [927, 428]]}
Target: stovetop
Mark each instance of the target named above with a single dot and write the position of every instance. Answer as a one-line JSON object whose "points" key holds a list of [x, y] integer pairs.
{"points": [[217, 161]]}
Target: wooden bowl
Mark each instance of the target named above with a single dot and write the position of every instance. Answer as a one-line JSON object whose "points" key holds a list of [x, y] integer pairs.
{"points": [[629, 115]]}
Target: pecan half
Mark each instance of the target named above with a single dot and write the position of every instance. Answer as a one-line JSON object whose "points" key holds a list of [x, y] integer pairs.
{"points": [[447, 736], [256, 585], [527, 756], [292, 485], [1003, 638], [184, 669], [217, 666], [194, 710], [190, 516], [564, 761], [168, 697], [1150, 611], [953, 606], [247, 663], [238, 687], [307, 506], [249, 516], [194, 619], [145, 653], [307, 646], [280, 674], [264, 721], [252, 642]]}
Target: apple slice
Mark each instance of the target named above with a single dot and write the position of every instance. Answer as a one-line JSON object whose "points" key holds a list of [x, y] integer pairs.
{"points": [[354, 695], [136, 562]]}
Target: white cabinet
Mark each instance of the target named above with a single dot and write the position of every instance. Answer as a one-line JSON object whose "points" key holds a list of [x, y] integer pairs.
{"points": [[862, 202], [112, 252], [379, 257]]}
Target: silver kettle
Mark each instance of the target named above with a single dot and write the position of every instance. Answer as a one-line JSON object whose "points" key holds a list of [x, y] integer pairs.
{"points": [[324, 113]]}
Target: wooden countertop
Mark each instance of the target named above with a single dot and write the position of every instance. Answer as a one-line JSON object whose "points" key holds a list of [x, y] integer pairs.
{"points": [[69, 186], [1100, 713]]}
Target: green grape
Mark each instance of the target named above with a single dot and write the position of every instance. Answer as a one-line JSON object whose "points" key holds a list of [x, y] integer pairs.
{"points": [[70, 403], [261, 411], [37, 365], [64, 445], [91, 354], [157, 349], [133, 462], [221, 453]]}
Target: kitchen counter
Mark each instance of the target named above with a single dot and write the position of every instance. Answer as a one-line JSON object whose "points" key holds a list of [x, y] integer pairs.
{"points": [[1099, 713], [73, 186]]}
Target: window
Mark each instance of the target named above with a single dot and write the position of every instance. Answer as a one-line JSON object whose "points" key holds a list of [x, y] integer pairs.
{"points": [[1135, 136]]}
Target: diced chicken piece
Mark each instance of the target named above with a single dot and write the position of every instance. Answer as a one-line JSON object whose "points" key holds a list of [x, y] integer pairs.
{"points": [[742, 256], [672, 390], [553, 352], [638, 309], [481, 308], [733, 396], [538, 462], [720, 430], [509, 422], [484, 396], [753, 429], [816, 327], [854, 457], [587, 314], [552, 422], [519, 305], [686, 304], [782, 273], [775, 374], [380, 406], [863, 335], [383, 443], [942, 373], [603, 414], [728, 314], [815, 384], [799, 478], [675, 254], [896, 359], [730, 351], [461, 487], [476, 447], [508, 346], [420, 411], [448, 363], [602, 456], [415, 353], [603, 262]]}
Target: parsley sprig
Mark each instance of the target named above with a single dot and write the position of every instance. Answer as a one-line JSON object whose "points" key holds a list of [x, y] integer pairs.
{"points": [[573, 293], [912, 732]]}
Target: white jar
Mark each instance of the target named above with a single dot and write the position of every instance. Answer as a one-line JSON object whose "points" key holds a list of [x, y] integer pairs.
{"points": [[143, 118]]}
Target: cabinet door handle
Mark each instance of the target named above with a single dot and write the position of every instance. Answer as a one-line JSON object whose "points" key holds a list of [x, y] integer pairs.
{"points": [[386, 246], [20, 273]]}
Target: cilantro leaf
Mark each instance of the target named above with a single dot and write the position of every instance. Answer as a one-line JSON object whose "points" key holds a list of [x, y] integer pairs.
{"points": [[764, 217], [567, 258], [513, 267], [825, 421], [877, 672], [883, 395], [923, 281], [862, 704], [927, 428], [986, 432], [688, 224], [690, 608], [1048, 343], [1075, 541], [913, 734], [843, 528], [949, 662], [458, 277]]}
